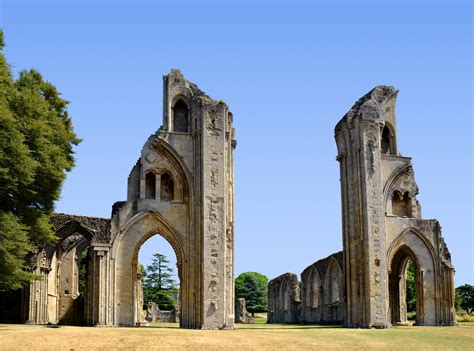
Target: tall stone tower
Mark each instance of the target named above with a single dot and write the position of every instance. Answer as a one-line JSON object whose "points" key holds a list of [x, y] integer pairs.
{"points": [[182, 189], [382, 225]]}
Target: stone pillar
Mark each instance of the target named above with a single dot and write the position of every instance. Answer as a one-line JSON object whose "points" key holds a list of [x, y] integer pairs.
{"points": [[217, 294], [36, 298], [100, 289], [158, 187], [358, 138], [139, 317]]}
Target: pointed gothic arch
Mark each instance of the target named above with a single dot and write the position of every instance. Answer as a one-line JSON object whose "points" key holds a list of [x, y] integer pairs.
{"points": [[125, 253], [412, 245]]}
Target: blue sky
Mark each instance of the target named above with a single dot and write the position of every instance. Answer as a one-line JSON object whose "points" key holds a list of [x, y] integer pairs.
{"points": [[289, 71]]}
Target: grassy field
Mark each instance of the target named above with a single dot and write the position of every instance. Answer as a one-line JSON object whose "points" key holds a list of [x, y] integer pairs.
{"points": [[246, 337]]}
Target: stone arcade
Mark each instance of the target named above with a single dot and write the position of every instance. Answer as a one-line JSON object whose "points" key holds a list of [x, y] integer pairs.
{"points": [[382, 231], [180, 188]]}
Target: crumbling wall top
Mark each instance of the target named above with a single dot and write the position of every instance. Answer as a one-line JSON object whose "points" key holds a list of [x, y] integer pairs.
{"points": [[371, 105]]}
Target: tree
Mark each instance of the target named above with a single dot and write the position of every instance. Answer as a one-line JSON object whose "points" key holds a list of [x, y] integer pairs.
{"points": [[36, 151], [465, 297], [410, 287], [83, 260], [159, 284], [252, 286]]}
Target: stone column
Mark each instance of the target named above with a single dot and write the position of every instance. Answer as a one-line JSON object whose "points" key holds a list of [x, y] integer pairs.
{"points": [[365, 266], [101, 298], [216, 304]]}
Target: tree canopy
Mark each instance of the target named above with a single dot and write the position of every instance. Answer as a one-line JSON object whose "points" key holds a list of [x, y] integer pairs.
{"points": [[465, 297], [252, 286], [410, 287], [159, 285], [36, 151]]}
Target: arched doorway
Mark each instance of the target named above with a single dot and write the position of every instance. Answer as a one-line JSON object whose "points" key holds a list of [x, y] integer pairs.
{"points": [[411, 246], [125, 257], [398, 287], [157, 282], [68, 274]]}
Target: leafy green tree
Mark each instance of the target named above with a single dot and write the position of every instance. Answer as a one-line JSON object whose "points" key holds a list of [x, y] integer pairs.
{"points": [[159, 284], [410, 287], [465, 296], [83, 260], [36, 151], [252, 286]]}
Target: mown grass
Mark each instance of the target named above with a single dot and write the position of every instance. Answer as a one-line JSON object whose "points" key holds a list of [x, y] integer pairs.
{"points": [[257, 336]]}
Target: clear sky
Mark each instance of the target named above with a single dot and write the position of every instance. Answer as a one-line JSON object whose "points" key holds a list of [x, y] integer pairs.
{"points": [[289, 71]]}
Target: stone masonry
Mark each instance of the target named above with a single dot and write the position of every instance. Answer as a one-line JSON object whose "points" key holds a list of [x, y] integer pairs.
{"points": [[180, 188], [317, 299], [382, 224], [364, 286]]}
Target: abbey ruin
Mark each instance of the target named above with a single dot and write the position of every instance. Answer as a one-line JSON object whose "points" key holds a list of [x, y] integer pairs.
{"points": [[364, 285], [182, 189]]}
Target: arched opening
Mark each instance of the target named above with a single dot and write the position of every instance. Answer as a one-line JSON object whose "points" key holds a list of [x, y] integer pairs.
{"points": [[404, 292], [150, 185], [157, 297], [401, 204], [314, 290], [331, 291], [83, 258], [410, 284], [180, 117], [166, 187], [387, 144], [286, 295], [72, 274]]}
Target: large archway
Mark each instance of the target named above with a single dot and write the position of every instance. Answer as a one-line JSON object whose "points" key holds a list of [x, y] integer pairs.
{"points": [[398, 287], [157, 282], [66, 284], [125, 255], [411, 247]]}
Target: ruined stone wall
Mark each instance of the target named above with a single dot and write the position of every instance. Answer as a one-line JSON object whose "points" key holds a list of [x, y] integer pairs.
{"points": [[319, 298], [55, 297], [182, 189], [382, 225], [155, 315], [241, 314], [284, 299], [322, 291]]}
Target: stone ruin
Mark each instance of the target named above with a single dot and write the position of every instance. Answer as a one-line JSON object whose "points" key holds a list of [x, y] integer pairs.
{"points": [[241, 314], [181, 188], [364, 285], [284, 299], [155, 315], [318, 298]]}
